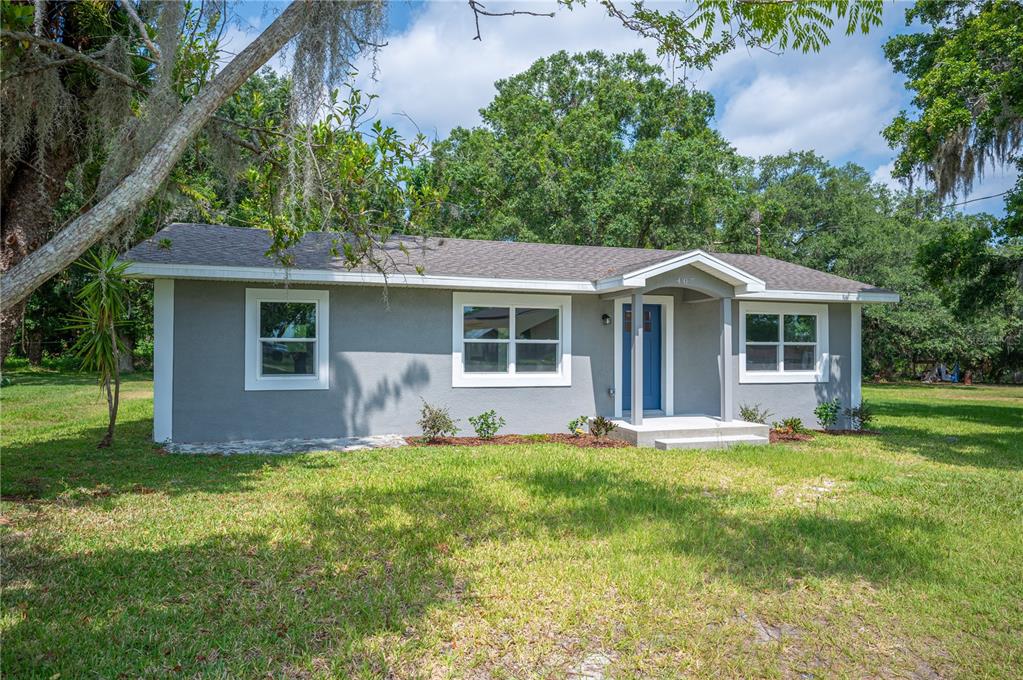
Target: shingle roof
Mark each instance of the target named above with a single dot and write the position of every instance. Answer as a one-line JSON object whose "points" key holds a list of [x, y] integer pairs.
{"points": [[224, 246]]}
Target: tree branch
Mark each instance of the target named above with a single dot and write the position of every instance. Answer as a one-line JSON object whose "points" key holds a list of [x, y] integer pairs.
{"points": [[129, 9], [69, 53], [479, 9], [132, 192]]}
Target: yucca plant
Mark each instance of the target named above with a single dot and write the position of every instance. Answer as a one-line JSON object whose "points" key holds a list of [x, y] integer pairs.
{"points": [[101, 310]]}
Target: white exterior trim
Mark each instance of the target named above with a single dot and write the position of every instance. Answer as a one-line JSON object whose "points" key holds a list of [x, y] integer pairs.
{"points": [[821, 372], [163, 359], [254, 381], [820, 296], [277, 274], [697, 258], [753, 290], [563, 377], [856, 354], [667, 303]]}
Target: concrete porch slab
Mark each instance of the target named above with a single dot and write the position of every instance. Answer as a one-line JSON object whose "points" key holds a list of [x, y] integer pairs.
{"points": [[677, 428]]}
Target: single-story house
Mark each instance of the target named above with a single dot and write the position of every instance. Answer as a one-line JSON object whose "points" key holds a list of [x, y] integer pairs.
{"points": [[541, 333]]}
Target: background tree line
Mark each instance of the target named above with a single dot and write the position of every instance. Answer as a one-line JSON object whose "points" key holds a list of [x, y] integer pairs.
{"points": [[589, 149]]}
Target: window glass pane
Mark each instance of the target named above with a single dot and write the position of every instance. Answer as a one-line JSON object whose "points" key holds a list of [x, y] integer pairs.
{"points": [[800, 357], [536, 357], [761, 328], [287, 319], [536, 324], [800, 328], [761, 357], [485, 323], [288, 358], [485, 357]]}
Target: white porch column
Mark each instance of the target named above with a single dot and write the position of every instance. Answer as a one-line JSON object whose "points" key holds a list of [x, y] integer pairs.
{"points": [[856, 355], [727, 402], [637, 357], [163, 358]]}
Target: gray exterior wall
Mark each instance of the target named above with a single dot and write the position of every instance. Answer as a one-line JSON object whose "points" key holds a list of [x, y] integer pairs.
{"points": [[799, 399], [385, 358]]}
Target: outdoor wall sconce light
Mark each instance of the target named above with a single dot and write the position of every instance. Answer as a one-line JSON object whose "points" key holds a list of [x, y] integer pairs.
{"points": [[605, 319]]}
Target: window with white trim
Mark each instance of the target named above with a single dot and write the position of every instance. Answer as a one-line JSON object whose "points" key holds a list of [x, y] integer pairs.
{"points": [[783, 342], [286, 339], [510, 339]]}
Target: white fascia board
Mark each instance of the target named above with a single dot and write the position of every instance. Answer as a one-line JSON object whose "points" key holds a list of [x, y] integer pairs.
{"points": [[820, 296], [321, 276], [699, 259]]}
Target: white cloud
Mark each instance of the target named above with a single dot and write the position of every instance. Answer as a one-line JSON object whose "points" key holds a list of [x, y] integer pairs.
{"points": [[439, 76], [883, 175], [836, 108]]}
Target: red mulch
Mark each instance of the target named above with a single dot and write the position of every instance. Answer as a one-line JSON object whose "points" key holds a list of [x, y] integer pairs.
{"points": [[778, 436], [782, 436], [864, 432], [583, 440]]}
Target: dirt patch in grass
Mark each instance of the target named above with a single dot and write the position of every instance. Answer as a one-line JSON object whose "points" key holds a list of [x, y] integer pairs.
{"points": [[584, 440]]}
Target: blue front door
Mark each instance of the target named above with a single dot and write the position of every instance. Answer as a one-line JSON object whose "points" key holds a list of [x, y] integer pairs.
{"points": [[651, 357]]}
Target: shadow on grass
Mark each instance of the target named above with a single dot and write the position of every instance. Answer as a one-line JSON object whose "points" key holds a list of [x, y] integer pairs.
{"points": [[347, 592], [46, 469], [761, 550], [924, 429], [43, 377]]}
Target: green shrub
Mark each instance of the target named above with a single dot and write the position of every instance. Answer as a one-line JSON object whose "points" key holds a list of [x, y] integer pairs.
{"points": [[827, 413], [754, 413], [577, 426], [861, 415], [789, 426], [601, 426], [486, 424], [436, 421]]}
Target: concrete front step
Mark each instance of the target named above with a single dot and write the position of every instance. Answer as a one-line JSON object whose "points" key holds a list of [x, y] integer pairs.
{"points": [[718, 442], [698, 428]]}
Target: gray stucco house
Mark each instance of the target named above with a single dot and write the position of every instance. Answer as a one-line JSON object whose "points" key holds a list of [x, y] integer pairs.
{"points": [[542, 333]]}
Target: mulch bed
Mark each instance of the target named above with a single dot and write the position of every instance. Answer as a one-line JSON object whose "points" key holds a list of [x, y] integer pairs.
{"points": [[583, 440], [777, 436]]}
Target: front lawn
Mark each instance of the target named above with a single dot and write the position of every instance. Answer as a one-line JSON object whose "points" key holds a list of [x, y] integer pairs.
{"points": [[892, 556]]}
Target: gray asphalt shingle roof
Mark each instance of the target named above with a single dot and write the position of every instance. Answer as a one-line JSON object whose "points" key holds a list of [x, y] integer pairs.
{"points": [[224, 246]]}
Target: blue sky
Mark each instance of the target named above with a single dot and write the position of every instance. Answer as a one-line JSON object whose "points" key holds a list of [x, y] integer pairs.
{"points": [[835, 102]]}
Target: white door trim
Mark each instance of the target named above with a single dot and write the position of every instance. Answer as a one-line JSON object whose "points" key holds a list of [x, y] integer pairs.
{"points": [[667, 303]]}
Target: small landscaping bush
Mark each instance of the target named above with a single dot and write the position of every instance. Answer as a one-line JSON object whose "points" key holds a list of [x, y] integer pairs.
{"points": [[436, 421], [754, 413], [861, 415], [577, 426], [486, 424], [601, 427], [789, 426], [827, 413]]}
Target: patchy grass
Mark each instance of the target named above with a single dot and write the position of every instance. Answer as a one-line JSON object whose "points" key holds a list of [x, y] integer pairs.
{"points": [[890, 556]]}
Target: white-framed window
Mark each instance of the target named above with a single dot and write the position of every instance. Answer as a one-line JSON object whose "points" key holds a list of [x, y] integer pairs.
{"points": [[511, 340], [783, 342], [287, 340]]}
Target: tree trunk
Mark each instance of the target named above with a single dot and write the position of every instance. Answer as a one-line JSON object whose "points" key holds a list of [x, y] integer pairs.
{"points": [[126, 360], [34, 349], [26, 220], [142, 184]]}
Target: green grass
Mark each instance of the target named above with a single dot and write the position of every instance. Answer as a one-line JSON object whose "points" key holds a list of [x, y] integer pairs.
{"points": [[892, 556]]}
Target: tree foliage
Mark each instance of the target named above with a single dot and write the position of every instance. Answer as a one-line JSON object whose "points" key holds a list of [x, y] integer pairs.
{"points": [[966, 75], [588, 148]]}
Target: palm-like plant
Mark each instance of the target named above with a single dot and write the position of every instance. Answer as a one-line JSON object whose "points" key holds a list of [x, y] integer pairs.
{"points": [[101, 311]]}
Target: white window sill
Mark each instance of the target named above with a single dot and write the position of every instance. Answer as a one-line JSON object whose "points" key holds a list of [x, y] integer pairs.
{"points": [[770, 377], [286, 383], [506, 380]]}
